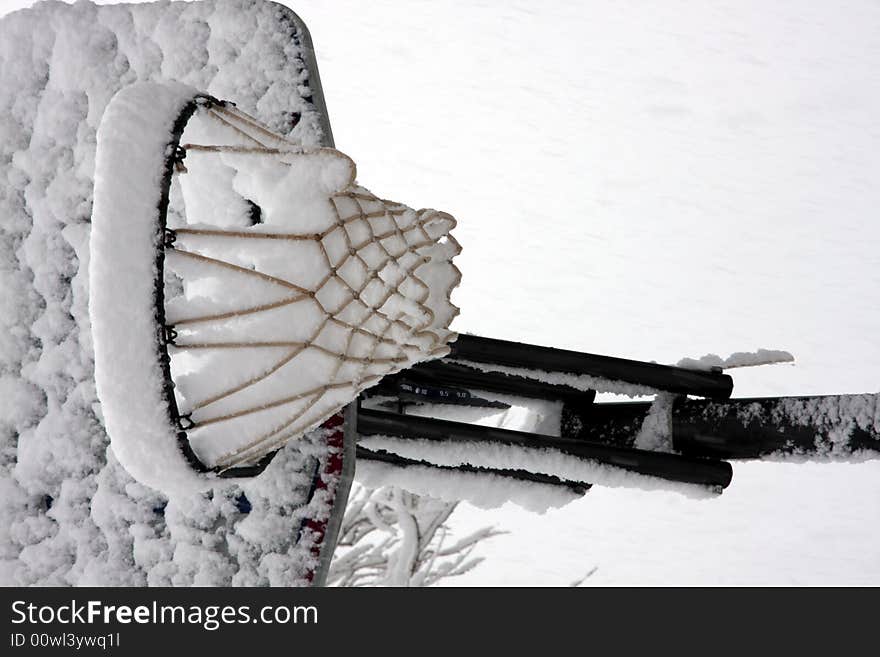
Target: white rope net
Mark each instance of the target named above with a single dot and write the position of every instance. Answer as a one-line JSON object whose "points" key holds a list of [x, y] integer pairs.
{"points": [[290, 288]]}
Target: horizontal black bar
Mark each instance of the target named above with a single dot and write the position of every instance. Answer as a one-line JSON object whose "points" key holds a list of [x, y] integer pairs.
{"points": [[577, 487], [747, 428], [673, 467], [714, 385], [752, 428]]}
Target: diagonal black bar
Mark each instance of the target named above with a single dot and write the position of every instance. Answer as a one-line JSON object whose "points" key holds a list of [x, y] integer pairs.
{"points": [[687, 469], [714, 385], [577, 487], [444, 373], [405, 391]]}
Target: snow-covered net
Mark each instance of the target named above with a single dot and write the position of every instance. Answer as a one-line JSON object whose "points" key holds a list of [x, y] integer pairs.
{"points": [[289, 287]]}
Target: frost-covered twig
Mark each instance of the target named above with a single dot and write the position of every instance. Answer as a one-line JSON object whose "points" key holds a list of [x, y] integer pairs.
{"points": [[390, 537]]}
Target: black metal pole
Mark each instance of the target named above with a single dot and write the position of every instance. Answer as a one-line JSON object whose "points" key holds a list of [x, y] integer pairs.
{"points": [[752, 428], [741, 428], [714, 385], [673, 467]]}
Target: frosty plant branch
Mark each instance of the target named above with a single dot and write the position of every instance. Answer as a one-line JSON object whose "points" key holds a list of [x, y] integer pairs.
{"points": [[390, 537]]}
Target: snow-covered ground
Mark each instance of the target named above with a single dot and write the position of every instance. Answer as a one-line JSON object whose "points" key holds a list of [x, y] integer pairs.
{"points": [[654, 181]]}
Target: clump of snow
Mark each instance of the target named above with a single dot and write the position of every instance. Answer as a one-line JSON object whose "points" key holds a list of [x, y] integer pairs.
{"points": [[738, 359], [655, 433], [835, 419]]}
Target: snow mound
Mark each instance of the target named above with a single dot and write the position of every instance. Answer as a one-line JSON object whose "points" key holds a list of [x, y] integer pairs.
{"points": [[132, 139], [738, 359]]}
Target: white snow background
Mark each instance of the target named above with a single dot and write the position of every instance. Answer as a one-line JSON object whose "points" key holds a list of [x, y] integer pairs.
{"points": [[654, 182]]}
